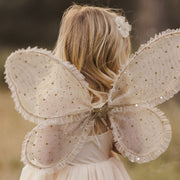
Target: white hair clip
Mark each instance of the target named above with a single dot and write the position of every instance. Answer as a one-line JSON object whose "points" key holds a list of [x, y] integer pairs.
{"points": [[123, 27]]}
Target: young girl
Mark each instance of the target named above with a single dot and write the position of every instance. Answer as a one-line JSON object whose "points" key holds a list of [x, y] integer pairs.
{"points": [[78, 124], [89, 38]]}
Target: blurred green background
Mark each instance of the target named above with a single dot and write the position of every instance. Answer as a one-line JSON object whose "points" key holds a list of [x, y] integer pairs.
{"points": [[36, 23]]}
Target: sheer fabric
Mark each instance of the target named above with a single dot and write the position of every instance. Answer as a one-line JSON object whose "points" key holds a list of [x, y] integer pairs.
{"points": [[54, 95], [92, 163]]}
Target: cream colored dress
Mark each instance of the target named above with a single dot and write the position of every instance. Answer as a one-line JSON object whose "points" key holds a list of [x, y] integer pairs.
{"points": [[54, 95], [92, 163]]}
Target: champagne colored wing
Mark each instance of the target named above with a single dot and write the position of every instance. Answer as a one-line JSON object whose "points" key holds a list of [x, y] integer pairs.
{"points": [[43, 87], [140, 134], [51, 145], [153, 74]]}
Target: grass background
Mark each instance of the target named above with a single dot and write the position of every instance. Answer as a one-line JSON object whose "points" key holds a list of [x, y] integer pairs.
{"points": [[14, 128]]}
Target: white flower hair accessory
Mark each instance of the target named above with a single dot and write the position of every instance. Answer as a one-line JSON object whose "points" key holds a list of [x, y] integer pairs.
{"points": [[123, 27]]}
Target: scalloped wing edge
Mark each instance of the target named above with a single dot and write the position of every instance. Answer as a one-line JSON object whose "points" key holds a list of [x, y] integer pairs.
{"points": [[152, 155], [14, 95], [141, 48], [82, 140]]}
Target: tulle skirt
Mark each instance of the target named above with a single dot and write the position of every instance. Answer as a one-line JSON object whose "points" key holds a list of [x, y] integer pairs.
{"points": [[111, 169]]}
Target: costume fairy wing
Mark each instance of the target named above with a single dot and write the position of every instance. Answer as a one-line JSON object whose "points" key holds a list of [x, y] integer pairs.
{"points": [[153, 74], [51, 145], [142, 132], [43, 87]]}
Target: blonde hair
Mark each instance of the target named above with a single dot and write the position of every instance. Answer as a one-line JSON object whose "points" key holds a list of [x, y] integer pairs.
{"points": [[89, 39]]}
